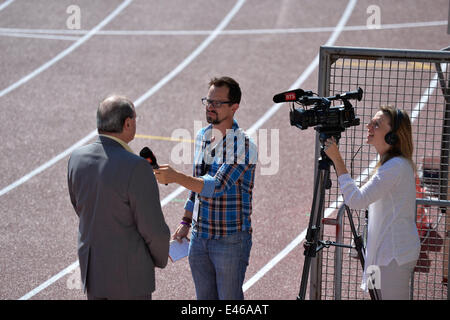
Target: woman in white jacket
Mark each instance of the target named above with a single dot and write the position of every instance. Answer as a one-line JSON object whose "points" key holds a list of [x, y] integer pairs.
{"points": [[393, 243]]}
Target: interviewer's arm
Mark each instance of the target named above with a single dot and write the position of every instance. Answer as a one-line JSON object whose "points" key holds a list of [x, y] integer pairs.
{"points": [[166, 174]]}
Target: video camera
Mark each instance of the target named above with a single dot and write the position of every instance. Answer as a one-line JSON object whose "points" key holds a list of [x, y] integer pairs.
{"points": [[329, 120]]}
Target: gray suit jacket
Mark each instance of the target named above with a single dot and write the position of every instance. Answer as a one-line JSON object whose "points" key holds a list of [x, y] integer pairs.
{"points": [[122, 232]]}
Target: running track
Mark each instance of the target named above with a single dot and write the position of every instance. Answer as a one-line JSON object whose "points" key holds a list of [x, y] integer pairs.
{"points": [[161, 55]]}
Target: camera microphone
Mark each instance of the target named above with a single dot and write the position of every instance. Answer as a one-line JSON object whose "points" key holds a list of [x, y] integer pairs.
{"points": [[147, 154], [292, 95]]}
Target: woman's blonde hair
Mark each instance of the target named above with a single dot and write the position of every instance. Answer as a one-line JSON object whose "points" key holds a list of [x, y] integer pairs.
{"points": [[404, 146]]}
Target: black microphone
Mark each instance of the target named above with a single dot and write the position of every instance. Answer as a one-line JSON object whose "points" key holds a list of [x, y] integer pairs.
{"points": [[292, 95], [147, 154]]}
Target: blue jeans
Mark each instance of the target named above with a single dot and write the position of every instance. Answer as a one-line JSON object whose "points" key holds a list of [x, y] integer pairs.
{"points": [[218, 266]]}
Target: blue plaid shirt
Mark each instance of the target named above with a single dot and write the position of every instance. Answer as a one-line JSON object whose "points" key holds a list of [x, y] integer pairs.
{"points": [[228, 171]]}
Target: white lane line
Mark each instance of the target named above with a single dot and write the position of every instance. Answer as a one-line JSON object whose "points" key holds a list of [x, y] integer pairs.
{"points": [[273, 109], [179, 190], [53, 279], [194, 54], [76, 264], [75, 33], [48, 164], [5, 4], [141, 99], [39, 36], [336, 32], [363, 176], [172, 196], [65, 52]]}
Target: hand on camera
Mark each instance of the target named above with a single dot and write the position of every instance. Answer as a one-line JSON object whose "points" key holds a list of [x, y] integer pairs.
{"points": [[331, 149]]}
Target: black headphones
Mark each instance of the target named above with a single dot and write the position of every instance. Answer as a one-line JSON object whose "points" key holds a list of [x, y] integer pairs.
{"points": [[391, 137]]}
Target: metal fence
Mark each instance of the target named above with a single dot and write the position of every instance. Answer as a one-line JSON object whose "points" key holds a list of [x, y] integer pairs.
{"points": [[415, 81]]}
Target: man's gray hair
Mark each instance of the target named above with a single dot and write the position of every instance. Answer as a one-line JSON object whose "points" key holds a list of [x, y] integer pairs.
{"points": [[112, 113]]}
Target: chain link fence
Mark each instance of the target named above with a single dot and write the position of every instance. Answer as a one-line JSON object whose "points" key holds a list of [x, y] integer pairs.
{"points": [[415, 81]]}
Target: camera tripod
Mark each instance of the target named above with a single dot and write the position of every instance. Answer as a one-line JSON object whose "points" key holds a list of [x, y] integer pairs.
{"points": [[312, 244]]}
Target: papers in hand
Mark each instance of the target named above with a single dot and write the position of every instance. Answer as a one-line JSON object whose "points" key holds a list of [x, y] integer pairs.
{"points": [[178, 250]]}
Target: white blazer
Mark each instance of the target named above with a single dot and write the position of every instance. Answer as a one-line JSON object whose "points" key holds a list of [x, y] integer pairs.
{"points": [[390, 195]]}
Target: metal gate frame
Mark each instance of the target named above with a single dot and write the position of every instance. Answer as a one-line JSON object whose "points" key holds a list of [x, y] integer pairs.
{"points": [[328, 56]]}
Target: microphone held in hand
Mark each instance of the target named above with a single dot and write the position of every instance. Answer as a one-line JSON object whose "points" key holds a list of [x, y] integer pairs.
{"points": [[146, 153]]}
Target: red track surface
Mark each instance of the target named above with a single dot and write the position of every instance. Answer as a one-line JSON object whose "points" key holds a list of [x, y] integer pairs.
{"points": [[56, 108]]}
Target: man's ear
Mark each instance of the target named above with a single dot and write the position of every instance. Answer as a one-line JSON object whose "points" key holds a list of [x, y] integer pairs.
{"points": [[235, 106], [127, 123]]}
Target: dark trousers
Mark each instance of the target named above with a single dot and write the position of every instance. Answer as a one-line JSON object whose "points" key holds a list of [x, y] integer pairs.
{"points": [[145, 297]]}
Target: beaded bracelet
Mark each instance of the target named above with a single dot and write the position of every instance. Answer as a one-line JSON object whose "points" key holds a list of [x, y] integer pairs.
{"points": [[185, 224]]}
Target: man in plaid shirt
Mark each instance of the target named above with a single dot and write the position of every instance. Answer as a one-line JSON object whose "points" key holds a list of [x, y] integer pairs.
{"points": [[220, 201]]}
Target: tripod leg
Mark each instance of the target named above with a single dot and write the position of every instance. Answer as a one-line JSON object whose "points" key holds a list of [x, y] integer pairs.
{"points": [[313, 231], [357, 238], [360, 249]]}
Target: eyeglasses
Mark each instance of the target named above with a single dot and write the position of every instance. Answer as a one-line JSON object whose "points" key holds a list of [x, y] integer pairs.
{"points": [[215, 104]]}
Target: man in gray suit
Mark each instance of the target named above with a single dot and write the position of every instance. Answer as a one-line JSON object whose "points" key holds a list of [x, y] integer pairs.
{"points": [[122, 232]]}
